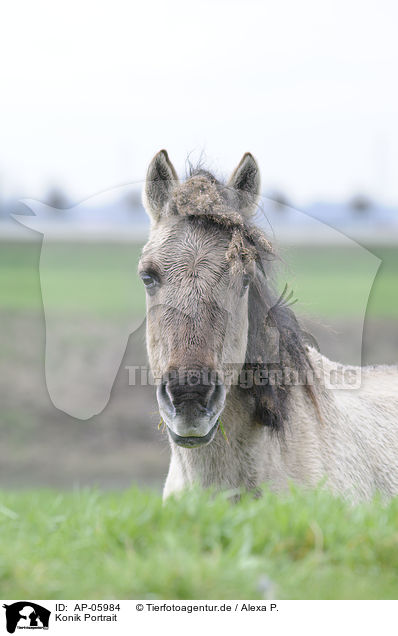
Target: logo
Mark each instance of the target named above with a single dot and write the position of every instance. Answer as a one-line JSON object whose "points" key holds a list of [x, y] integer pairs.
{"points": [[26, 615]]}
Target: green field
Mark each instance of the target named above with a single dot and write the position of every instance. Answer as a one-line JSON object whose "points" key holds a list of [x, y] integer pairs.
{"points": [[337, 282], [327, 281], [101, 278], [96, 545]]}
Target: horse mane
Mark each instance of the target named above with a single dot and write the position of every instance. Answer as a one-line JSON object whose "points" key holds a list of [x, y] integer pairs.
{"points": [[276, 350]]}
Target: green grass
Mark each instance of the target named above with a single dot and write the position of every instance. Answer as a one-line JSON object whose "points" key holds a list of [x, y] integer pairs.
{"points": [[94, 545], [101, 279]]}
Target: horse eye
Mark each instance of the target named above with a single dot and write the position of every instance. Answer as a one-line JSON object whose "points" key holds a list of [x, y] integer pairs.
{"points": [[149, 281]]}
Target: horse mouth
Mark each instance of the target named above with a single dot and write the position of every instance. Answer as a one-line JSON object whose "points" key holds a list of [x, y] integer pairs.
{"points": [[192, 441]]}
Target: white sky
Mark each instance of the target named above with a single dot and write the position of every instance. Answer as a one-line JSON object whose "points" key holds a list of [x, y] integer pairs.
{"points": [[91, 90]]}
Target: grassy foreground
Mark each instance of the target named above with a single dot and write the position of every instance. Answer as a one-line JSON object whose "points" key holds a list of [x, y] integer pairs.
{"points": [[94, 545]]}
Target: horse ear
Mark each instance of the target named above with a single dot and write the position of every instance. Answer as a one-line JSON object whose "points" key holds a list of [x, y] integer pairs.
{"points": [[245, 179], [160, 180]]}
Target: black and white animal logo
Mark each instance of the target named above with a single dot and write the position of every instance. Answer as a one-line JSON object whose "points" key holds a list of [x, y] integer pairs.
{"points": [[26, 615]]}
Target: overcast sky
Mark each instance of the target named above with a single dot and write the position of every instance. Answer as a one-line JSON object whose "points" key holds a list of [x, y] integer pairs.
{"points": [[91, 90]]}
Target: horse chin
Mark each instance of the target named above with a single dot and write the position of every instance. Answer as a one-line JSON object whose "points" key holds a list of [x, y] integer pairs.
{"points": [[194, 441]]}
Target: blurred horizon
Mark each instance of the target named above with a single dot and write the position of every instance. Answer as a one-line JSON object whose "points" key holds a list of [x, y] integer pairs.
{"points": [[119, 214]]}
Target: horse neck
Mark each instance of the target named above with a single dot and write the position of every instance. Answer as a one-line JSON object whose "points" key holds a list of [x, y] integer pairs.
{"points": [[231, 461], [254, 454]]}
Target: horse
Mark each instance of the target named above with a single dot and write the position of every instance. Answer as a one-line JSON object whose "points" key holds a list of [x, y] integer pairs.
{"points": [[245, 396]]}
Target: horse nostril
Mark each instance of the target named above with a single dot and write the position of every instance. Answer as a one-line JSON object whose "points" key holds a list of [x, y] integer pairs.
{"points": [[165, 400], [216, 397], [195, 387]]}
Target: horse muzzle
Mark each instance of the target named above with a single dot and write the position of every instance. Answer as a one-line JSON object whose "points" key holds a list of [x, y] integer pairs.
{"points": [[191, 409]]}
